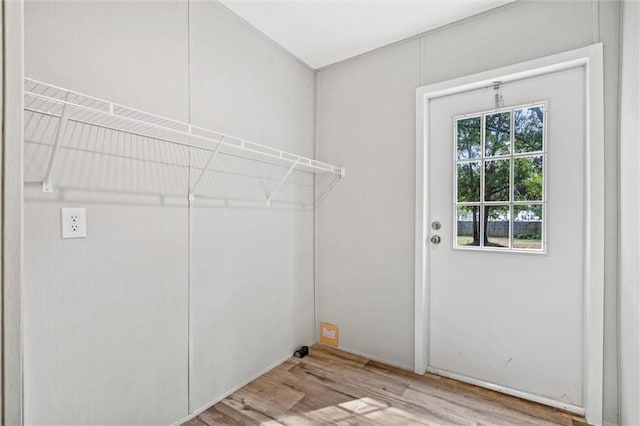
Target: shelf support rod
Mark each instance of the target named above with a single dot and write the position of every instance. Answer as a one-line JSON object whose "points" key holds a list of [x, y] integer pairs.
{"points": [[205, 170], [47, 183], [293, 166]]}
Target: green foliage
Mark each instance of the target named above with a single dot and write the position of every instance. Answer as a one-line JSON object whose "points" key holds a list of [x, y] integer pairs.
{"points": [[496, 180], [529, 237], [527, 171], [498, 134], [527, 178], [528, 129], [468, 138], [469, 182]]}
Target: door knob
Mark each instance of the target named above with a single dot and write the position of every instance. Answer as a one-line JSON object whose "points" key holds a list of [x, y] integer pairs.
{"points": [[436, 239]]}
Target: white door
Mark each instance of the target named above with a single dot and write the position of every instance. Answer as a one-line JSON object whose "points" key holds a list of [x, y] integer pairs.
{"points": [[507, 187]]}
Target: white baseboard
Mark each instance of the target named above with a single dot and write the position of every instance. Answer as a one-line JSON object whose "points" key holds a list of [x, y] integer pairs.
{"points": [[378, 359], [229, 392], [609, 424], [506, 390], [546, 401]]}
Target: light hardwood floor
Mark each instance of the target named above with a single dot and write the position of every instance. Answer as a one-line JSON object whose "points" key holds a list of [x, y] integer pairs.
{"points": [[333, 387]]}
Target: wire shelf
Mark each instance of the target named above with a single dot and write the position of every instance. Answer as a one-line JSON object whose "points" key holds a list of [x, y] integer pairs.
{"points": [[69, 106]]}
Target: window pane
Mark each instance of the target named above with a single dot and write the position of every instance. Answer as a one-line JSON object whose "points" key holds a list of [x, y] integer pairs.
{"points": [[468, 135], [527, 227], [528, 129], [499, 180], [527, 179], [468, 226], [496, 226], [497, 136], [469, 182], [496, 180]]}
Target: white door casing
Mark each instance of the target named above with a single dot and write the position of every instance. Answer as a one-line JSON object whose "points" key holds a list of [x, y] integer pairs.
{"points": [[587, 61]]}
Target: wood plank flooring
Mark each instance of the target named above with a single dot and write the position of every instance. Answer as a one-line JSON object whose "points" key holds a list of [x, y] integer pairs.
{"points": [[333, 387]]}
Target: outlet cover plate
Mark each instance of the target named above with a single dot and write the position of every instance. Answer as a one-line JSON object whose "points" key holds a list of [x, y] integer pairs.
{"points": [[73, 222], [329, 334]]}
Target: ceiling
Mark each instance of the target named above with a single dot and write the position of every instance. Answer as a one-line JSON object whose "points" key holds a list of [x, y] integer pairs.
{"points": [[321, 33]]}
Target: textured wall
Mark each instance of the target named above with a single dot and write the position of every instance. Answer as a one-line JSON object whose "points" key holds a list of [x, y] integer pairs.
{"points": [[629, 209], [366, 121], [153, 315], [251, 266]]}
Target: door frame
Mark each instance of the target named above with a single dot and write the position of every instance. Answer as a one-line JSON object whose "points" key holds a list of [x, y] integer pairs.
{"points": [[591, 58]]}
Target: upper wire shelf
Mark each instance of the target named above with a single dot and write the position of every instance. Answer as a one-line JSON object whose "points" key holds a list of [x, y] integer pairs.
{"points": [[67, 105]]}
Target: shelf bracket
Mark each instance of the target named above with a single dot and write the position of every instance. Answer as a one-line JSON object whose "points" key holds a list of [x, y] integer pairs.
{"points": [[205, 170], [47, 183], [293, 166]]}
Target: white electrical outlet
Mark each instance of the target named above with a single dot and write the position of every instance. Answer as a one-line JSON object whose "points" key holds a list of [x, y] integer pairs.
{"points": [[74, 223]]}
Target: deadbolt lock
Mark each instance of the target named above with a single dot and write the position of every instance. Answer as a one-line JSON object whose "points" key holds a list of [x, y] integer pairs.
{"points": [[436, 225]]}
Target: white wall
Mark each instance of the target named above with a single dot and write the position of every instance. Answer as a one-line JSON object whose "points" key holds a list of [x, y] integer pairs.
{"points": [[629, 210], [11, 193], [366, 122], [365, 226], [252, 268], [163, 308]]}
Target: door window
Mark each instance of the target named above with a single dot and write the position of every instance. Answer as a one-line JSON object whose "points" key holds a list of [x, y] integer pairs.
{"points": [[499, 179]]}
